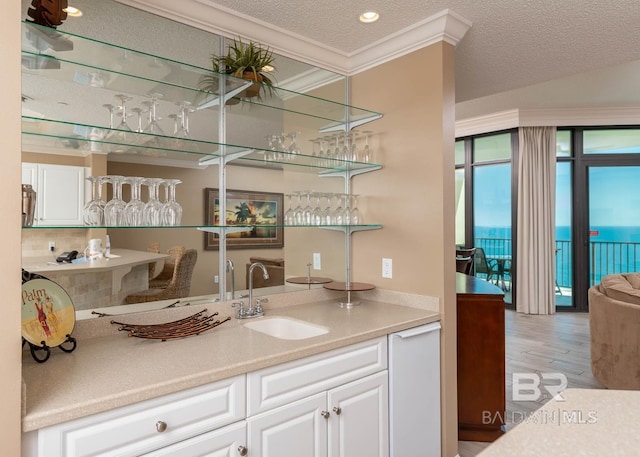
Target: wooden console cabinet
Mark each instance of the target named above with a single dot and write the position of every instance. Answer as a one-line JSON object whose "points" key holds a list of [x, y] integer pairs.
{"points": [[481, 359]]}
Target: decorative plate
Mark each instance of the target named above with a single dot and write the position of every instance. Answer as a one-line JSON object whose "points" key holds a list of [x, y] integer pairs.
{"points": [[48, 314]]}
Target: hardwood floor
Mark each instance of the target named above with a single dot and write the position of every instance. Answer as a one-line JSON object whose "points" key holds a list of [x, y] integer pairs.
{"points": [[542, 344]]}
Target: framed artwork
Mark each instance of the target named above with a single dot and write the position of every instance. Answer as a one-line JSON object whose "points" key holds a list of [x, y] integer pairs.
{"points": [[261, 212]]}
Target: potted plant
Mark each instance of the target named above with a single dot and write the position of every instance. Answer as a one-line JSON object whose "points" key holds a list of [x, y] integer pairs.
{"points": [[247, 61]]}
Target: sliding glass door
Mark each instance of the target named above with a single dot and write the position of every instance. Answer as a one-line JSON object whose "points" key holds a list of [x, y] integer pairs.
{"points": [[614, 221]]}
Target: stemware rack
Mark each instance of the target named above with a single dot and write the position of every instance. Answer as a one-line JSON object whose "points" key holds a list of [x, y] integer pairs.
{"points": [[86, 64]]}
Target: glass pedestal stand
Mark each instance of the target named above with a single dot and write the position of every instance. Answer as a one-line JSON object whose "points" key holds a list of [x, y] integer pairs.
{"points": [[349, 287]]}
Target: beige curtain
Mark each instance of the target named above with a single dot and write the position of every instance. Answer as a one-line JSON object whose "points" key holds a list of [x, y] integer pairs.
{"points": [[535, 292]]}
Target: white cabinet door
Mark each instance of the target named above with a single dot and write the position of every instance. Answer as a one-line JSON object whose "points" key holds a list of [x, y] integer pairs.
{"points": [[59, 193], [224, 442], [359, 424], [295, 430]]}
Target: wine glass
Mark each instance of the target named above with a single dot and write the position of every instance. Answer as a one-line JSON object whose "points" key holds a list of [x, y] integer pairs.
{"points": [[354, 147], [93, 211], [316, 216], [356, 216], [133, 213], [172, 210], [114, 208], [307, 211], [153, 127], [121, 136], [367, 154], [346, 213], [289, 218], [298, 215], [153, 208], [185, 109], [326, 213], [293, 146], [338, 213]]}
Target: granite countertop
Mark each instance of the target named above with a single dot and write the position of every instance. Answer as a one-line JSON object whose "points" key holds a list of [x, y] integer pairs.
{"points": [[114, 370], [588, 423], [119, 258]]}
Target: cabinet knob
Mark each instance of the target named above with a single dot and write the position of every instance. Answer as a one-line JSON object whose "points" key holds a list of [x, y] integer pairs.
{"points": [[161, 426], [325, 414], [337, 410], [242, 450]]}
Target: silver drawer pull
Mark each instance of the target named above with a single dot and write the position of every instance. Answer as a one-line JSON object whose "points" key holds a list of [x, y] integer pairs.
{"points": [[242, 450], [337, 410], [325, 414], [161, 426]]}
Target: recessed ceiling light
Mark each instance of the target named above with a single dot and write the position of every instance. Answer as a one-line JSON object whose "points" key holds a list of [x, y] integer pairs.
{"points": [[369, 16], [72, 11], [267, 68]]}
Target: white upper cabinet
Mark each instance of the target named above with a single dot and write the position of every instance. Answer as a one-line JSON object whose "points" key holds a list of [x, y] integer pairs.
{"points": [[59, 193]]}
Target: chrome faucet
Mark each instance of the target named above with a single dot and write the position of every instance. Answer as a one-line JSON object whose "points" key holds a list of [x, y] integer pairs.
{"points": [[252, 311], [230, 269]]}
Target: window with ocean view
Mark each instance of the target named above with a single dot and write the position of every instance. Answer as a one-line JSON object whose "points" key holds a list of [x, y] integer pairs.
{"points": [[614, 221], [597, 207]]}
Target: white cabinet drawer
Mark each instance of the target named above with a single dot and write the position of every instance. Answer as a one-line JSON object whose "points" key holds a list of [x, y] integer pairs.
{"points": [[288, 382], [224, 442], [132, 430]]}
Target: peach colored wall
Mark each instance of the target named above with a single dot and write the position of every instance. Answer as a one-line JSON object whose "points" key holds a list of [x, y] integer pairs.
{"points": [[412, 196], [10, 334]]}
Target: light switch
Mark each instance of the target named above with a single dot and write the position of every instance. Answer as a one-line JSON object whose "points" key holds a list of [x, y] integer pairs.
{"points": [[317, 264]]}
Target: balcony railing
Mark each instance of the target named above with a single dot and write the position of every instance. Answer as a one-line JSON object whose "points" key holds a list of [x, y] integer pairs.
{"points": [[606, 257]]}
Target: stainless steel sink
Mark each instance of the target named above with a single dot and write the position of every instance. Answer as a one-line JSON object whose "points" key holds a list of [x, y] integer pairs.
{"points": [[286, 328]]}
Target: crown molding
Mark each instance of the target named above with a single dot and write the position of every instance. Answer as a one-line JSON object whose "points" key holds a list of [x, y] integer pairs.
{"points": [[557, 117], [444, 26]]}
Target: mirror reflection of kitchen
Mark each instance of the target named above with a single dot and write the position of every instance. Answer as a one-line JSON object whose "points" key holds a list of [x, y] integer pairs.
{"points": [[139, 256]]}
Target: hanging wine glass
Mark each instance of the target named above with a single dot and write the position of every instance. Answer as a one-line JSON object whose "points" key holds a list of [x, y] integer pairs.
{"points": [[121, 137], [93, 211], [172, 210], [133, 213], [153, 208], [114, 208]]}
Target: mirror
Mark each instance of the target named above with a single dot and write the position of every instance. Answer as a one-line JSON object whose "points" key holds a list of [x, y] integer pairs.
{"points": [[111, 22]]}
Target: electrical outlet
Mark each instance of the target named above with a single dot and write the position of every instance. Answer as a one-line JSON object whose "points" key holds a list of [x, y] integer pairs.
{"points": [[216, 279], [317, 264], [52, 246], [387, 268]]}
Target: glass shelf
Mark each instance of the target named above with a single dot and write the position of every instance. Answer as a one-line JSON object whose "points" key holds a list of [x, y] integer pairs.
{"points": [[54, 54], [205, 228], [142, 147]]}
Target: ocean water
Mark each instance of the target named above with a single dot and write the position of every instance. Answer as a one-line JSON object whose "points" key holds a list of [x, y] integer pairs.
{"points": [[613, 249]]}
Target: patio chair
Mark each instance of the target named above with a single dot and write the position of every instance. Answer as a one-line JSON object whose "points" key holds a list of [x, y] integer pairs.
{"points": [[464, 265], [462, 253], [488, 268]]}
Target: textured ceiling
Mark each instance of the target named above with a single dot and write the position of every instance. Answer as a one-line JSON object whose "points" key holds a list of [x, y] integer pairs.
{"points": [[512, 43]]}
